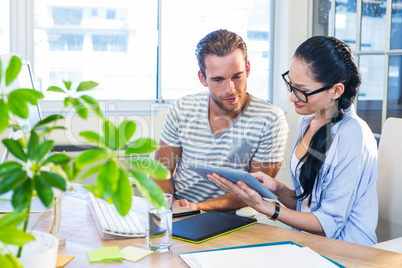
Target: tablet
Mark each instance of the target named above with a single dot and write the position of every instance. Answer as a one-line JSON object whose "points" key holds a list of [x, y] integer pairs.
{"points": [[234, 175], [205, 226]]}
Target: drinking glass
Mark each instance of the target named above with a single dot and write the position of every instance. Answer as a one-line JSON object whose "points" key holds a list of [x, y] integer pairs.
{"points": [[160, 226]]}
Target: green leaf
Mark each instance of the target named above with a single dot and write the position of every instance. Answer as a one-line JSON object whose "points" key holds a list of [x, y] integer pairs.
{"points": [[152, 167], [33, 145], [15, 237], [67, 101], [67, 84], [123, 195], [43, 149], [18, 107], [67, 170], [93, 138], [22, 196], [148, 188], [13, 69], [91, 171], [80, 108], [54, 179], [126, 131], [57, 159], [12, 180], [91, 156], [47, 120], [3, 115], [27, 95], [1, 70], [111, 134], [44, 190], [142, 146], [93, 105], [15, 149], [107, 179], [6, 262], [86, 85], [8, 167], [12, 219], [55, 89]]}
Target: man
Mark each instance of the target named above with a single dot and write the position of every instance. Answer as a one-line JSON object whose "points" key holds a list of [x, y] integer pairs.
{"points": [[225, 126]]}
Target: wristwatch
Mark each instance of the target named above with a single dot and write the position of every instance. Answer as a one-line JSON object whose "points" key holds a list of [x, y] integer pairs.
{"points": [[276, 213]]}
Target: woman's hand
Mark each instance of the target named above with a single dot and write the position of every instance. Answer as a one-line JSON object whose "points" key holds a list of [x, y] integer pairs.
{"points": [[269, 182], [242, 191]]}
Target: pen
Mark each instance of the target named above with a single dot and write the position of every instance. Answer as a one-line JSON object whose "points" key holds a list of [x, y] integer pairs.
{"points": [[187, 213]]}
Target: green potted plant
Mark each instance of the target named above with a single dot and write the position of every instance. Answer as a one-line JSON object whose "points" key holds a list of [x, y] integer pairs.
{"points": [[36, 171]]}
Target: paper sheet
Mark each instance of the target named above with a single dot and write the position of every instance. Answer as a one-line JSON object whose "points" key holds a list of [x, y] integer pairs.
{"points": [[273, 256], [135, 254]]}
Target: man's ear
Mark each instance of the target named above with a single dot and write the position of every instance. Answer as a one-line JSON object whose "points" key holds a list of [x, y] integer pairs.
{"points": [[248, 69], [202, 79], [339, 88]]}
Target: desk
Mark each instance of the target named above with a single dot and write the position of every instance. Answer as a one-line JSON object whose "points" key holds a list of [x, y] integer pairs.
{"points": [[81, 235]]}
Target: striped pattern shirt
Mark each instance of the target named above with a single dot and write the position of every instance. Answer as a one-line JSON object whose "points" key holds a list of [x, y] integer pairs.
{"points": [[258, 134]]}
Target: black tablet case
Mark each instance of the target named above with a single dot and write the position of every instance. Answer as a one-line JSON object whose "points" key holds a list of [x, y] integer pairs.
{"points": [[205, 226]]}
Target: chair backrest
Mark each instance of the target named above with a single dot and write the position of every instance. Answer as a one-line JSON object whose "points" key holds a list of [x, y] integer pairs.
{"points": [[389, 180]]}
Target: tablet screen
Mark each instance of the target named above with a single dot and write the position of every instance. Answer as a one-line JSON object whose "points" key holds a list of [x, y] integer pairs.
{"points": [[234, 175]]}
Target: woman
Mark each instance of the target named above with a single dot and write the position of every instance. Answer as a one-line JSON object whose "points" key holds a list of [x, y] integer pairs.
{"points": [[334, 161]]}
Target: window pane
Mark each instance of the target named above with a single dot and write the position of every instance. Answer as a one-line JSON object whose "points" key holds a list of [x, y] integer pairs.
{"points": [[369, 106], [111, 42], [5, 27], [396, 25], [394, 105], [373, 25], [186, 22], [345, 22]]}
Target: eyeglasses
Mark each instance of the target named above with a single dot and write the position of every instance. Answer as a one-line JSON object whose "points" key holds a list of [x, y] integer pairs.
{"points": [[302, 96]]}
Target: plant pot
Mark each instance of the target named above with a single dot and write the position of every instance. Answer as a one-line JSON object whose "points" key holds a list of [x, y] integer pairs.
{"points": [[41, 253]]}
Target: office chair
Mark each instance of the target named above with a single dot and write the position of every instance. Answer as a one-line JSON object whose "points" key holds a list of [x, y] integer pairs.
{"points": [[389, 186]]}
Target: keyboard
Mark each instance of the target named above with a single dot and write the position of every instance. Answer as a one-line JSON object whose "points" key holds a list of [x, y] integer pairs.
{"points": [[110, 223]]}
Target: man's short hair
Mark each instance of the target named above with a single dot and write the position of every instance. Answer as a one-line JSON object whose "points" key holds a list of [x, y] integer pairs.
{"points": [[220, 43]]}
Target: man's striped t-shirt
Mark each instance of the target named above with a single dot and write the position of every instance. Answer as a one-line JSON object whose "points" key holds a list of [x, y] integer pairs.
{"points": [[259, 133]]}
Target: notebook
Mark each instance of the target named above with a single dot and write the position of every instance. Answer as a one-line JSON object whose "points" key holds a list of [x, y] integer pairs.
{"points": [[205, 226]]}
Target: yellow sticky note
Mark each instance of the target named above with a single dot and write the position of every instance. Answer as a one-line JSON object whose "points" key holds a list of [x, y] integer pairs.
{"points": [[134, 254], [62, 260]]}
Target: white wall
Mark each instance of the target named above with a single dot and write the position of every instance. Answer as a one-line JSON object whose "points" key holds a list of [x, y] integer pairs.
{"points": [[292, 28]]}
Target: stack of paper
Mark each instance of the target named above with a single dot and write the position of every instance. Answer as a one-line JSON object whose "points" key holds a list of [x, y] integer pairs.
{"points": [[282, 254]]}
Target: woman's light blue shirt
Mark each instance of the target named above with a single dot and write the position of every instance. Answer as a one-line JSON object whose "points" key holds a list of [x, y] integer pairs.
{"points": [[346, 197]]}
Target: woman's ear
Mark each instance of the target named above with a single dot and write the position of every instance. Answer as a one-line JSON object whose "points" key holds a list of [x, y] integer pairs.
{"points": [[339, 88]]}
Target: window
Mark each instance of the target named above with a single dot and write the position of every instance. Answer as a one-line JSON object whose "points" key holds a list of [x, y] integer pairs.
{"points": [[4, 28], [135, 56], [110, 14], [182, 30], [376, 40], [66, 16]]}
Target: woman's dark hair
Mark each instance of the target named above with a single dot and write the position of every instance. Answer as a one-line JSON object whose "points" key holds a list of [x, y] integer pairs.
{"points": [[330, 61], [220, 43]]}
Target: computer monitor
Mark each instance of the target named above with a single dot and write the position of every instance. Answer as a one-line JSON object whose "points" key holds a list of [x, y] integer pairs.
{"points": [[25, 79]]}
